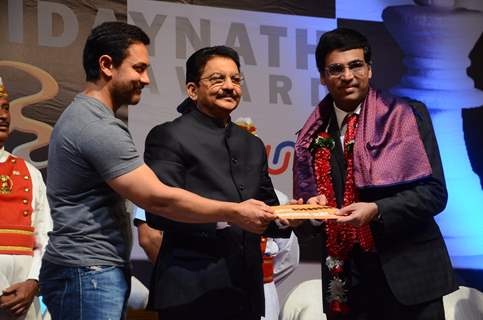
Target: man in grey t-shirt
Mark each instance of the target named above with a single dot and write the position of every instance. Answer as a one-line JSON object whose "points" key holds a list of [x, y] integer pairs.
{"points": [[93, 165], [97, 149]]}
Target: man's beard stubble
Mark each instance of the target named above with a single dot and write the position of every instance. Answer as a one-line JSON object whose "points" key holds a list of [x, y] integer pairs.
{"points": [[126, 93]]}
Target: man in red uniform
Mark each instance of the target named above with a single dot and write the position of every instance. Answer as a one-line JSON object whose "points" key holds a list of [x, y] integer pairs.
{"points": [[24, 223]]}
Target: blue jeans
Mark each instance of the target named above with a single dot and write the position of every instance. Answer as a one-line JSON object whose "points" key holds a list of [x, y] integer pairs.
{"points": [[84, 293]]}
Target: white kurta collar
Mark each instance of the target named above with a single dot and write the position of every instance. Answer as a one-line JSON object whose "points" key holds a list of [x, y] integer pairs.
{"points": [[3, 155]]}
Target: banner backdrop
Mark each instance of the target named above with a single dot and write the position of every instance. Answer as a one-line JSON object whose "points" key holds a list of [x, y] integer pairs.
{"points": [[50, 36], [277, 60], [41, 47]]}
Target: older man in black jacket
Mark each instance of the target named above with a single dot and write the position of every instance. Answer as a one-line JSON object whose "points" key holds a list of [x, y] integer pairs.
{"points": [[209, 271]]}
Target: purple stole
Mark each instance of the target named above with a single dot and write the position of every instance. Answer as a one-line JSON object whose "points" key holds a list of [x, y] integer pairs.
{"points": [[387, 151]]}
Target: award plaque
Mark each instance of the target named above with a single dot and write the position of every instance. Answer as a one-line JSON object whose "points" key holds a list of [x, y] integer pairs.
{"points": [[305, 211]]}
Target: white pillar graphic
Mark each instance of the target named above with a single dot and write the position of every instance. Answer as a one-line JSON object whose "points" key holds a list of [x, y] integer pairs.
{"points": [[436, 38]]}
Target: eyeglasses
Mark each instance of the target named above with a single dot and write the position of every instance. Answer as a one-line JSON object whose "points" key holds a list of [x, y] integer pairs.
{"points": [[218, 79], [336, 70]]}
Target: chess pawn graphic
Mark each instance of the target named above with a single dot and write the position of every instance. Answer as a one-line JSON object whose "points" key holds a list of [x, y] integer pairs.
{"points": [[436, 38]]}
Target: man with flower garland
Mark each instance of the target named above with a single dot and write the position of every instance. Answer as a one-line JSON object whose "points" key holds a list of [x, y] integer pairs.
{"points": [[376, 157]]}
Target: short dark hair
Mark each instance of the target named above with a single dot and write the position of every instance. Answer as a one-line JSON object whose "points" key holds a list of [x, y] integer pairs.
{"points": [[113, 39], [342, 39], [197, 61]]}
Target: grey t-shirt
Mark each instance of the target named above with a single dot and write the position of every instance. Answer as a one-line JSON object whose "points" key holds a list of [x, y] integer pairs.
{"points": [[88, 147]]}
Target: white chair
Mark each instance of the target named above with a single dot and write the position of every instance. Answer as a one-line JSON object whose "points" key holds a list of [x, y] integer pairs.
{"points": [[304, 302], [138, 299], [464, 304]]}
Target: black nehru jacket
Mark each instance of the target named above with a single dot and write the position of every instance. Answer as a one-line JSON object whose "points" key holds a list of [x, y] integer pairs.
{"points": [[198, 153]]}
